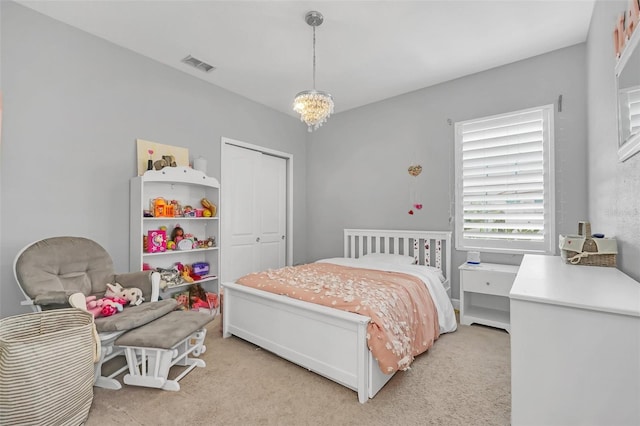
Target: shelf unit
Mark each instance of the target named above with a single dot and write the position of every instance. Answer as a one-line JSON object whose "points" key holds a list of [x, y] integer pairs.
{"points": [[187, 186], [484, 294]]}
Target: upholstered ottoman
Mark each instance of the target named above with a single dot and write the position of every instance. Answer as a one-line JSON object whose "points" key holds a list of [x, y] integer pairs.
{"points": [[152, 349]]}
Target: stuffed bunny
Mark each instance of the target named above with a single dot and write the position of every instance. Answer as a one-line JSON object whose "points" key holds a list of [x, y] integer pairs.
{"points": [[133, 295]]}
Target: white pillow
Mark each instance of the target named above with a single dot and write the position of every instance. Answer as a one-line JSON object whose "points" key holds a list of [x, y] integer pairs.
{"points": [[398, 259]]}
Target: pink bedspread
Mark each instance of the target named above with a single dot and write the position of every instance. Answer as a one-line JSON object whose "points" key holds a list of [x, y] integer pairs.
{"points": [[404, 320]]}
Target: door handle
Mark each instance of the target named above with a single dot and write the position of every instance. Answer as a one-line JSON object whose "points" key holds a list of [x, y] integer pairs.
{"points": [[283, 237], [258, 240]]}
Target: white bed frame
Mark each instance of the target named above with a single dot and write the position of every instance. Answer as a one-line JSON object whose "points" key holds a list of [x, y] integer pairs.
{"points": [[329, 341]]}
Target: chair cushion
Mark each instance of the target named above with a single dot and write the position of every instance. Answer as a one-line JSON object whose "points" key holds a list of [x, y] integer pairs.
{"points": [[135, 316], [167, 331], [64, 264]]}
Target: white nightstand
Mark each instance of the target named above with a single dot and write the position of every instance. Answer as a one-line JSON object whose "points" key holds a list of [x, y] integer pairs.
{"points": [[484, 294]]}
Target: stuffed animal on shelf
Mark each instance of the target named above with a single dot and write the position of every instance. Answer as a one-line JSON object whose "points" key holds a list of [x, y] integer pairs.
{"points": [[132, 295], [165, 161], [210, 209]]}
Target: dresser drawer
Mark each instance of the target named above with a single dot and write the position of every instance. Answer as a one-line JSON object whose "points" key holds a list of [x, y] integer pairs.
{"points": [[488, 282]]}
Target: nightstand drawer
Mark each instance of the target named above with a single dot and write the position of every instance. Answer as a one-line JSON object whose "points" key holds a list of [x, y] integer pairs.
{"points": [[488, 282]]}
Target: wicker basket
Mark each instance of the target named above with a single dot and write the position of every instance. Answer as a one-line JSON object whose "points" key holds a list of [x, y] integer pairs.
{"points": [[589, 255], [46, 368]]}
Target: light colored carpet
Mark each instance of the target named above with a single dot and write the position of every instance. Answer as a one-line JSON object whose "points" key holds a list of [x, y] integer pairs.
{"points": [[463, 379]]}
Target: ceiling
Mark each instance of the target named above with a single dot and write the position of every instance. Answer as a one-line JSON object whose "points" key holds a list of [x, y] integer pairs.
{"points": [[366, 50]]}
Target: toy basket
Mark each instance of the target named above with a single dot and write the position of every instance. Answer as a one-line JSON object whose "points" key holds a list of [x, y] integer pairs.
{"points": [[582, 249], [46, 367]]}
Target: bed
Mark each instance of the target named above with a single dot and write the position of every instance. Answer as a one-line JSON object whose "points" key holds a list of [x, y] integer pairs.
{"points": [[332, 342]]}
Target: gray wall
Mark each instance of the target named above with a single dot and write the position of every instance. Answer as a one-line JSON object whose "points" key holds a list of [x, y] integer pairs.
{"points": [[614, 187], [74, 106], [357, 164]]}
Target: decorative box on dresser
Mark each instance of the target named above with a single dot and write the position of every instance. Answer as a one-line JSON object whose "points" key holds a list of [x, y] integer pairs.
{"points": [[575, 345], [484, 294]]}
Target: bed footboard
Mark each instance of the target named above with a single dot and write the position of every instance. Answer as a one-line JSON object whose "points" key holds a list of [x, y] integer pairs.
{"points": [[327, 341]]}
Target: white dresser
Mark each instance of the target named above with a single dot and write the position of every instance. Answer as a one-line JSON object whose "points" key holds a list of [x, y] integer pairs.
{"points": [[575, 345]]}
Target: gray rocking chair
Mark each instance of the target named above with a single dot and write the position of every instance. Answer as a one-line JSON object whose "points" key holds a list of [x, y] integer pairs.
{"points": [[51, 270]]}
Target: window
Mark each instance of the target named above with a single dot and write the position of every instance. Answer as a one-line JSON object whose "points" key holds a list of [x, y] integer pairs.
{"points": [[632, 119], [504, 182]]}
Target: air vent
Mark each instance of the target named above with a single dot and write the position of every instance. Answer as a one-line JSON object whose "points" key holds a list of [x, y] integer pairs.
{"points": [[197, 63]]}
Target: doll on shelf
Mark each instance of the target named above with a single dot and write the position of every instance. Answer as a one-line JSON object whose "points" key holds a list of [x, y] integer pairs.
{"points": [[177, 234]]}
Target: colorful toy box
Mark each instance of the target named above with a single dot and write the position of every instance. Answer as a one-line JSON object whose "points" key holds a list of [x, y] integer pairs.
{"points": [[200, 268], [156, 241]]}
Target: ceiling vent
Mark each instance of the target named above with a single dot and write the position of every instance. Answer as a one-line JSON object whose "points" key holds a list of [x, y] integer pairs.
{"points": [[197, 63]]}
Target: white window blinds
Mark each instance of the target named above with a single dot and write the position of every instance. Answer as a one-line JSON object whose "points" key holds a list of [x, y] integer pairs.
{"points": [[634, 110], [504, 196]]}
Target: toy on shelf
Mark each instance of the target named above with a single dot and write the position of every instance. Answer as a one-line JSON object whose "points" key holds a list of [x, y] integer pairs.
{"points": [[185, 244], [165, 161], [177, 208], [183, 241], [169, 277], [200, 299], [188, 274], [188, 211], [161, 208], [156, 241], [210, 209], [184, 272], [200, 268], [177, 234]]}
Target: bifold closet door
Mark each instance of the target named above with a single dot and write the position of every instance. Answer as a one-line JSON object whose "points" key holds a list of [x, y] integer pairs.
{"points": [[256, 212], [272, 198]]}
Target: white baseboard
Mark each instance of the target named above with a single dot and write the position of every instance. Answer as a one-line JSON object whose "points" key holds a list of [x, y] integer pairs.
{"points": [[455, 303]]}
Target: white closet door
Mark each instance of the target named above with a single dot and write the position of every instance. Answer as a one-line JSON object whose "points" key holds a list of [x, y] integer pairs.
{"points": [[256, 214], [242, 215], [272, 198]]}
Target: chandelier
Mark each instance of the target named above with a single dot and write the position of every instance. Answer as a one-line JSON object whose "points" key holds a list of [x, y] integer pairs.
{"points": [[314, 106]]}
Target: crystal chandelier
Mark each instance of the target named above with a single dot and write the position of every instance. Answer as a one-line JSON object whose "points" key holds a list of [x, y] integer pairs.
{"points": [[314, 106]]}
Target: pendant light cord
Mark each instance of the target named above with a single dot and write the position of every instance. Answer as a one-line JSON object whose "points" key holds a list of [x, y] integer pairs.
{"points": [[314, 57]]}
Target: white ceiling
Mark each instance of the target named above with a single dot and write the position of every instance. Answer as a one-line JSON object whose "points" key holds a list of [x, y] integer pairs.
{"points": [[366, 50]]}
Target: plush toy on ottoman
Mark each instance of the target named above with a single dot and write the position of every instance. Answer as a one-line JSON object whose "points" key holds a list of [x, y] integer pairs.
{"points": [[115, 299], [132, 296], [104, 307]]}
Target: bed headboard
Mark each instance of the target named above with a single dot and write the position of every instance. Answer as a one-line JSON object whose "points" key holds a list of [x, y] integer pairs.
{"points": [[432, 248]]}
